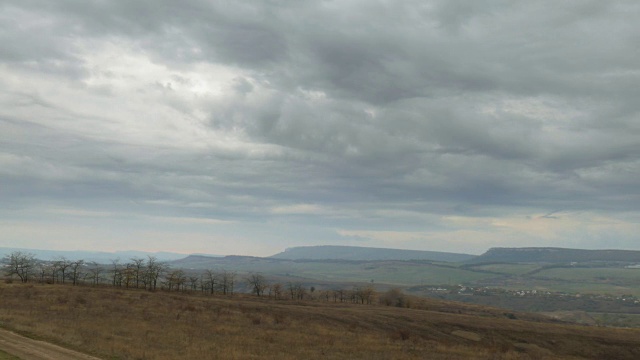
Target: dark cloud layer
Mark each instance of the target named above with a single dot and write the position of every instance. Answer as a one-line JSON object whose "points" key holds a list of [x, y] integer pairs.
{"points": [[351, 115]]}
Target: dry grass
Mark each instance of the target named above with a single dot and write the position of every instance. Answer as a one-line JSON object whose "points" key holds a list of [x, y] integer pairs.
{"points": [[5, 356], [119, 324]]}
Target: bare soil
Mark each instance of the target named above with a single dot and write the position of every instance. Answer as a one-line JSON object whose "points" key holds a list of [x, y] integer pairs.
{"points": [[31, 349]]}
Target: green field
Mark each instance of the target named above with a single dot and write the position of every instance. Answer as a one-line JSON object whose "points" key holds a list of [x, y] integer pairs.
{"points": [[388, 273], [596, 275], [507, 269], [515, 276], [573, 287], [5, 356], [381, 272]]}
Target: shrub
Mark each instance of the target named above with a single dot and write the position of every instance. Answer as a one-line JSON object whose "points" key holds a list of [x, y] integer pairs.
{"points": [[394, 297]]}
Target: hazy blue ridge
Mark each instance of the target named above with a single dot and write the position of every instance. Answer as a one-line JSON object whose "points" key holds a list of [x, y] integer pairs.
{"points": [[330, 252], [97, 256], [555, 255]]}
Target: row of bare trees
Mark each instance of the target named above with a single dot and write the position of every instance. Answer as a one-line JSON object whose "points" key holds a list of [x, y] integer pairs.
{"points": [[208, 282], [152, 274], [140, 273], [137, 273], [21, 265], [26, 267], [260, 286]]}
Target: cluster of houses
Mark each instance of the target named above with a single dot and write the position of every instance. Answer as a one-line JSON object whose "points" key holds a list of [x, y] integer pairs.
{"points": [[465, 290]]}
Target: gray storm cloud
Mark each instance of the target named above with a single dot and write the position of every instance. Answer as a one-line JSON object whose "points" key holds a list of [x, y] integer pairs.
{"points": [[335, 117]]}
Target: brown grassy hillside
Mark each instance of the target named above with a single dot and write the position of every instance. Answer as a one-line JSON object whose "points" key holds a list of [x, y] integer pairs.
{"points": [[136, 324]]}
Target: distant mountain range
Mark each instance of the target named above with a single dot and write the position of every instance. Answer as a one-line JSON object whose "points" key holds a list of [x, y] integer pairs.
{"points": [[328, 252], [555, 255], [89, 256], [353, 253], [493, 255]]}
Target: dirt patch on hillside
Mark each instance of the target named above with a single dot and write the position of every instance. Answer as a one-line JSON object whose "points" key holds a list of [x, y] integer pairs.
{"points": [[467, 335], [26, 348]]}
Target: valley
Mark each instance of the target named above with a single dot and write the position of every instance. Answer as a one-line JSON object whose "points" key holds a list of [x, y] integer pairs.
{"points": [[359, 305]]}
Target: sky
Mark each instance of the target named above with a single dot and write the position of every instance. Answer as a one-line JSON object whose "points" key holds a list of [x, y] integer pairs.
{"points": [[246, 127]]}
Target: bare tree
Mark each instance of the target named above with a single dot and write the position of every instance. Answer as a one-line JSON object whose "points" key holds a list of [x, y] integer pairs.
{"points": [[20, 264], [175, 279], [193, 282], [62, 265], [227, 282], [211, 280], [301, 292], [153, 272], [95, 273], [292, 290], [325, 295], [258, 283], [137, 266], [180, 279], [116, 273], [394, 297], [43, 271], [363, 294], [277, 290], [76, 271], [128, 274], [369, 294], [53, 272], [297, 291]]}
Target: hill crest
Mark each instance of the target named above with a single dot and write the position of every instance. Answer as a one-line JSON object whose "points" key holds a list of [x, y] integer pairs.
{"points": [[336, 252], [556, 255]]}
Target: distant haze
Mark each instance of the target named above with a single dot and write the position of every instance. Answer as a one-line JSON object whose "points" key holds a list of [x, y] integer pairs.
{"points": [[92, 256], [365, 253], [250, 127]]}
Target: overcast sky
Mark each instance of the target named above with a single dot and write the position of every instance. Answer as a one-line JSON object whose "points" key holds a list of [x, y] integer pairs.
{"points": [[230, 127]]}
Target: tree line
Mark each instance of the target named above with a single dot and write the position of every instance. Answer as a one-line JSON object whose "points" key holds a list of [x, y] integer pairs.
{"points": [[261, 286], [151, 274], [139, 273]]}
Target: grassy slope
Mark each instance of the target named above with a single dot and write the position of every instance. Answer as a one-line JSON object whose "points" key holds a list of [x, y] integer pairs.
{"points": [[410, 273], [613, 279], [367, 253], [507, 269], [129, 324], [5, 356], [586, 278], [594, 275], [389, 271]]}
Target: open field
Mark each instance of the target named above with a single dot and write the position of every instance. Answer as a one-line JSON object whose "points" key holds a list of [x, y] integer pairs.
{"points": [[586, 278], [559, 285], [135, 324], [6, 356], [387, 272], [586, 287], [602, 293], [395, 272], [507, 269], [603, 275]]}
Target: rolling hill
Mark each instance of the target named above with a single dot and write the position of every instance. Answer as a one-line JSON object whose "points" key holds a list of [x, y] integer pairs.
{"points": [[554, 255], [102, 257], [328, 252], [115, 323]]}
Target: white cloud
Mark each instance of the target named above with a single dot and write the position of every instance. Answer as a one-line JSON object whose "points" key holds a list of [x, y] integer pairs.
{"points": [[299, 209], [432, 125]]}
